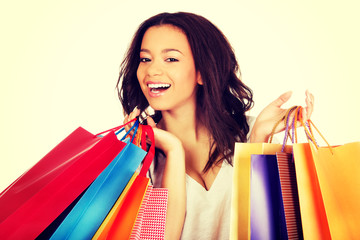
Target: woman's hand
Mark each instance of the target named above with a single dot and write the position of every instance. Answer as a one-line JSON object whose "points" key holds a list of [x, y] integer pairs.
{"points": [[271, 114], [164, 140]]}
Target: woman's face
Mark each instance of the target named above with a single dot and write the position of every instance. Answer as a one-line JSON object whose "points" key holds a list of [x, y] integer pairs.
{"points": [[166, 72]]}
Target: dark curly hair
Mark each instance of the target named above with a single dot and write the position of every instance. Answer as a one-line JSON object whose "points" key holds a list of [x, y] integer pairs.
{"points": [[223, 98]]}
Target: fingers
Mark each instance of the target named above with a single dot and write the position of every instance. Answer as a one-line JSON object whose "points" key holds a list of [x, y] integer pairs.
{"points": [[282, 99], [309, 100], [151, 122], [132, 115]]}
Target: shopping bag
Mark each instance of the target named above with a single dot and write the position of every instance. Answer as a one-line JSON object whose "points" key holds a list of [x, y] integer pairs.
{"points": [[103, 230], [267, 210], [88, 214], [49, 230], [339, 180], [123, 222], [42, 193], [287, 177], [313, 215], [151, 219], [290, 195], [334, 195]]}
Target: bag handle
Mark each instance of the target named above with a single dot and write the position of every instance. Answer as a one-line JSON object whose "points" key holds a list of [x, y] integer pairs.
{"points": [[121, 127], [287, 127], [134, 127], [147, 131], [284, 120], [307, 125], [139, 137]]}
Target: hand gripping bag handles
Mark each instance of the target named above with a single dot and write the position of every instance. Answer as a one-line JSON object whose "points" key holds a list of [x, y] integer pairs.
{"points": [[38, 196], [331, 192]]}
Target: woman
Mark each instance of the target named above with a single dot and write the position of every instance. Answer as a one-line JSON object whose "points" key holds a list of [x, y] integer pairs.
{"points": [[183, 67]]}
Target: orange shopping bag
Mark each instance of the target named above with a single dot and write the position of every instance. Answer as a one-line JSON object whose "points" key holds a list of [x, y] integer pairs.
{"points": [[313, 216], [331, 194], [338, 172]]}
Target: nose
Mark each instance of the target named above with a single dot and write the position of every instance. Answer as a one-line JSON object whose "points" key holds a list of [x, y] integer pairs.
{"points": [[154, 69]]}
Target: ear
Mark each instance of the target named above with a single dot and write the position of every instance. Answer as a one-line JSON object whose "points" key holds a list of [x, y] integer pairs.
{"points": [[198, 78]]}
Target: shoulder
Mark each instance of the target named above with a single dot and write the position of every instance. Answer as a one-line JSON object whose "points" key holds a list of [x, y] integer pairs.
{"points": [[250, 121]]}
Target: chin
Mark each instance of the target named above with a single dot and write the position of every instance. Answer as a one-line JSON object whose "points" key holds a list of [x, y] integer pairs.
{"points": [[159, 106]]}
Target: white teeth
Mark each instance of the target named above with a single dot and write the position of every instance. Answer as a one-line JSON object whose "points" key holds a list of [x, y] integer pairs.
{"points": [[158, 85]]}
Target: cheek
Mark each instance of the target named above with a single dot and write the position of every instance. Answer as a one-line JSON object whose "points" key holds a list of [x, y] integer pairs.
{"points": [[138, 73], [190, 76]]}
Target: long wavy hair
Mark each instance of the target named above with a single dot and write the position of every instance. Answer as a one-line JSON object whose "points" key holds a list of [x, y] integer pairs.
{"points": [[222, 99]]}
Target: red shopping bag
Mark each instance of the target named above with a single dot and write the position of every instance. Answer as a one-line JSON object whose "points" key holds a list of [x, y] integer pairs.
{"points": [[42, 193]]}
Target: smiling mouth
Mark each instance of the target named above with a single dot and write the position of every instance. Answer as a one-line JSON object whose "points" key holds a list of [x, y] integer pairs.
{"points": [[158, 87]]}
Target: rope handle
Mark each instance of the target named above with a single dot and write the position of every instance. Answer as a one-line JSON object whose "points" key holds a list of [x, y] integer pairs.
{"points": [[287, 127], [291, 127], [307, 125], [284, 120]]}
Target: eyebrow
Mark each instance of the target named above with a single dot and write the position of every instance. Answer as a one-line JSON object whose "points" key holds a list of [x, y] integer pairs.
{"points": [[166, 50]]}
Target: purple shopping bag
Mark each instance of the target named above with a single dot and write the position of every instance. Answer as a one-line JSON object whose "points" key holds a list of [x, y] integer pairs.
{"points": [[267, 216]]}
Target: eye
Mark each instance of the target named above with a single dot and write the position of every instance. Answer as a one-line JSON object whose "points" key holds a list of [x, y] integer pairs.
{"points": [[145, 60], [171, 60]]}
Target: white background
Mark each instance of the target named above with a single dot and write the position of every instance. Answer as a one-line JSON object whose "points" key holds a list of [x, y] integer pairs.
{"points": [[59, 63]]}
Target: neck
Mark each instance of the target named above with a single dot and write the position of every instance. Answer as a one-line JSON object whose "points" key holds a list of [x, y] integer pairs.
{"points": [[183, 123]]}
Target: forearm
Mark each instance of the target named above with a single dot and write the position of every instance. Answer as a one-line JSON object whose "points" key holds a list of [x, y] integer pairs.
{"points": [[174, 181]]}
